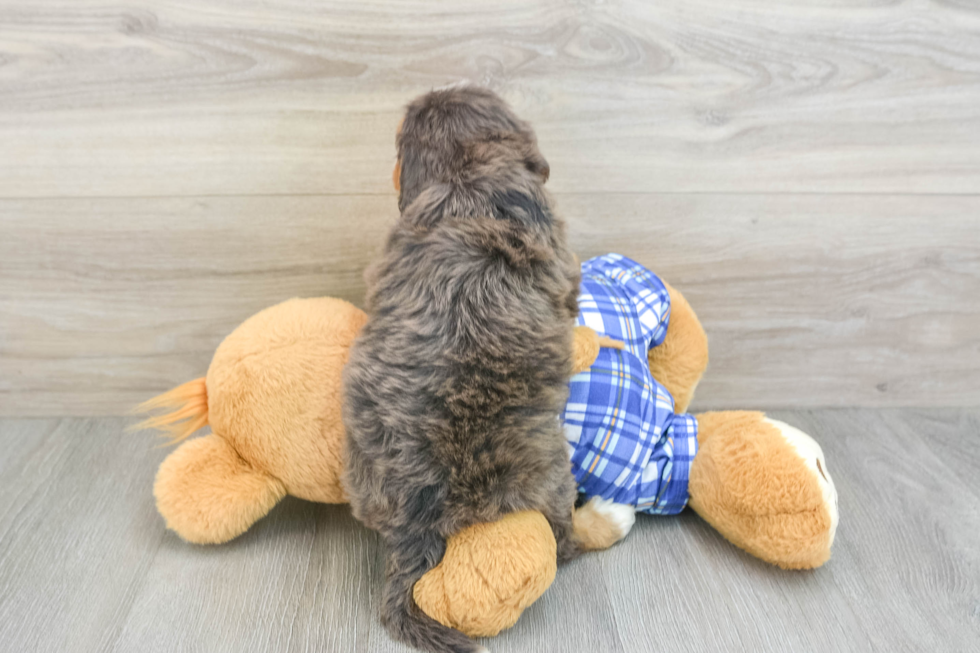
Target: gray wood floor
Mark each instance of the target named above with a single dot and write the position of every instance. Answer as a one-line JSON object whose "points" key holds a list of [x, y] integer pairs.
{"points": [[86, 565]]}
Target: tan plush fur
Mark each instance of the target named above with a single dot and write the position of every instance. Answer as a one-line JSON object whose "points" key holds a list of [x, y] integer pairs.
{"points": [[752, 487], [681, 359], [586, 347], [595, 529], [209, 495], [512, 562], [274, 392], [272, 397], [191, 402]]}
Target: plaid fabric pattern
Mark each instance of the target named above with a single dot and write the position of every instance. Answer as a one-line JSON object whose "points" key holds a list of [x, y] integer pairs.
{"points": [[626, 442]]}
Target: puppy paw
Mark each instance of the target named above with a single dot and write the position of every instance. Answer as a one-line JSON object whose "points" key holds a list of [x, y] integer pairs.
{"points": [[600, 523]]}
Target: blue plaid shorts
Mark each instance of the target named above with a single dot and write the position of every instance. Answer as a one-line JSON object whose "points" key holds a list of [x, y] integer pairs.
{"points": [[626, 442]]}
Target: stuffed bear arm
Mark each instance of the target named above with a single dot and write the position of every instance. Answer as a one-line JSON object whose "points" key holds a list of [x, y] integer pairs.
{"points": [[586, 348]]}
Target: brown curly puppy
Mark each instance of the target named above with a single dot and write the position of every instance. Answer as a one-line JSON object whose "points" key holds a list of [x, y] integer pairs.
{"points": [[454, 387]]}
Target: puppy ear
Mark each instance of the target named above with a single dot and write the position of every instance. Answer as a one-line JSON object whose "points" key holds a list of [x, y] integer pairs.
{"points": [[536, 163], [506, 146], [519, 247], [426, 208], [410, 177]]}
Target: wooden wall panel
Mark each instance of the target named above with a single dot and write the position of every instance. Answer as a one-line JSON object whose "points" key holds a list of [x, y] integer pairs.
{"points": [[808, 173], [229, 97], [808, 300]]}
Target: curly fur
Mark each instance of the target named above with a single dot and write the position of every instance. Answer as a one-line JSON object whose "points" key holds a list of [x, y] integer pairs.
{"points": [[453, 388]]}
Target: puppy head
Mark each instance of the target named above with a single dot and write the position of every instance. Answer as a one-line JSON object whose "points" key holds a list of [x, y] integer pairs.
{"points": [[455, 135]]}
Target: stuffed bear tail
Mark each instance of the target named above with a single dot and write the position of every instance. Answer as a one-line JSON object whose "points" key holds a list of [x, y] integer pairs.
{"points": [[190, 402]]}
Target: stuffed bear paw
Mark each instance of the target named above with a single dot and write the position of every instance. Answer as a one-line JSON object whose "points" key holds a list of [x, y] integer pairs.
{"points": [[765, 486]]}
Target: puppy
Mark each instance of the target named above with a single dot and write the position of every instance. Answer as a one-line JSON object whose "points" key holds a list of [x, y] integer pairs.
{"points": [[454, 386]]}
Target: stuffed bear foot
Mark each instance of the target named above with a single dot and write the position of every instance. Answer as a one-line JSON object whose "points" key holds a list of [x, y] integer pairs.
{"points": [[600, 523], [209, 495], [812, 456], [765, 486], [489, 574]]}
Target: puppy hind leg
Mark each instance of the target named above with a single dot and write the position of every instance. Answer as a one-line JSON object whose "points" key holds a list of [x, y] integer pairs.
{"points": [[569, 544], [560, 516]]}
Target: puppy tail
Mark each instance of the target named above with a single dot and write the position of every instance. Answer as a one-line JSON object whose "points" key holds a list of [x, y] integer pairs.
{"points": [[409, 558], [190, 404]]}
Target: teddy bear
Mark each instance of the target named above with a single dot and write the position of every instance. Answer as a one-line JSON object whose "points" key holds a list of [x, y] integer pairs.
{"points": [[272, 397]]}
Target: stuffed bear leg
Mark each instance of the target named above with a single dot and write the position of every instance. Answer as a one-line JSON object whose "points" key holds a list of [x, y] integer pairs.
{"points": [[209, 495], [680, 360], [765, 486], [490, 574]]}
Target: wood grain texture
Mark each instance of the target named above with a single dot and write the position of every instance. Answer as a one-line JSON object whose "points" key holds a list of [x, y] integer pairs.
{"points": [[77, 532], [808, 300], [814, 300], [85, 563], [230, 97], [807, 174]]}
